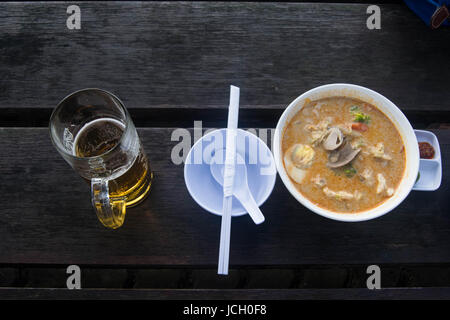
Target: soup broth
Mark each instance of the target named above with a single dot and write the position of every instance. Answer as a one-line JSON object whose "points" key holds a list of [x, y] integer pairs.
{"points": [[343, 154]]}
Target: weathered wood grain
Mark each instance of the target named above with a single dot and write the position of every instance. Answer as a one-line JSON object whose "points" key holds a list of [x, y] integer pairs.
{"points": [[211, 294], [216, 118], [46, 218], [178, 55], [245, 277], [171, 63]]}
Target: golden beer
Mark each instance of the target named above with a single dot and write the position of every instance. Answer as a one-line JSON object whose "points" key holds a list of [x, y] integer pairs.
{"points": [[133, 180], [94, 133]]}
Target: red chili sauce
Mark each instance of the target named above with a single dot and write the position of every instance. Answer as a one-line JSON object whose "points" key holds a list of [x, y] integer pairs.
{"points": [[426, 150]]}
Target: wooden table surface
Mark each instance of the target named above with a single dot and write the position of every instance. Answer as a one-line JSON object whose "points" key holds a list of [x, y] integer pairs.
{"points": [[172, 64]]}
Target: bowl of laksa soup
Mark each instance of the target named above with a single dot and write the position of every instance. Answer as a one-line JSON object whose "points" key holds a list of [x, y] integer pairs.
{"points": [[346, 152]]}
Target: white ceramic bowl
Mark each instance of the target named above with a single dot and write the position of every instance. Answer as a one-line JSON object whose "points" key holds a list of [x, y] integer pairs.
{"points": [[205, 190], [390, 110]]}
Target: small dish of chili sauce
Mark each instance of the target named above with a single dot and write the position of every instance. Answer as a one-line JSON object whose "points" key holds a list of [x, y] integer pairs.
{"points": [[426, 150]]}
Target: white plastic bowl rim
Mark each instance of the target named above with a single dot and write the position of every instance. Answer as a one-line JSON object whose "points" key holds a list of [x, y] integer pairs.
{"points": [[390, 110]]}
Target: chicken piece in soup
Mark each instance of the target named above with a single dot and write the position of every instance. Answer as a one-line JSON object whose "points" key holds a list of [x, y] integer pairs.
{"points": [[343, 154]]}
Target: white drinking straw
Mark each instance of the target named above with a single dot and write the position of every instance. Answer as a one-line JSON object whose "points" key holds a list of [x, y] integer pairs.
{"points": [[228, 176]]}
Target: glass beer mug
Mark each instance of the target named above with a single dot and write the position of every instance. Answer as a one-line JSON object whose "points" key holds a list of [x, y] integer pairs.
{"points": [[94, 133]]}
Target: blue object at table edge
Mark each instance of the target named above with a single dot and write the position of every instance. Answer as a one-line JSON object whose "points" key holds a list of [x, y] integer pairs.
{"points": [[426, 8]]}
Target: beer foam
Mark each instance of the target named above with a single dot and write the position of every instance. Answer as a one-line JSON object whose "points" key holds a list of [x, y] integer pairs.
{"points": [[90, 124]]}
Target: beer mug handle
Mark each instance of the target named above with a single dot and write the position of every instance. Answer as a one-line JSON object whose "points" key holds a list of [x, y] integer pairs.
{"points": [[110, 211]]}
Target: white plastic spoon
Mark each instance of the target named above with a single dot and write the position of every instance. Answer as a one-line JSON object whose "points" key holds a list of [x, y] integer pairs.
{"points": [[240, 189]]}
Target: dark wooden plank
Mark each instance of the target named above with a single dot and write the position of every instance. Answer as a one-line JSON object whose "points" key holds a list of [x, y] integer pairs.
{"points": [[212, 294], [185, 117], [263, 277], [46, 218], [177, 55]]}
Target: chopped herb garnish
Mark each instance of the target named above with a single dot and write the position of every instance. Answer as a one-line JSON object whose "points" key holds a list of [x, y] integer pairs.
{"points": [[418, 177], [349, 171], [359, 116]]}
